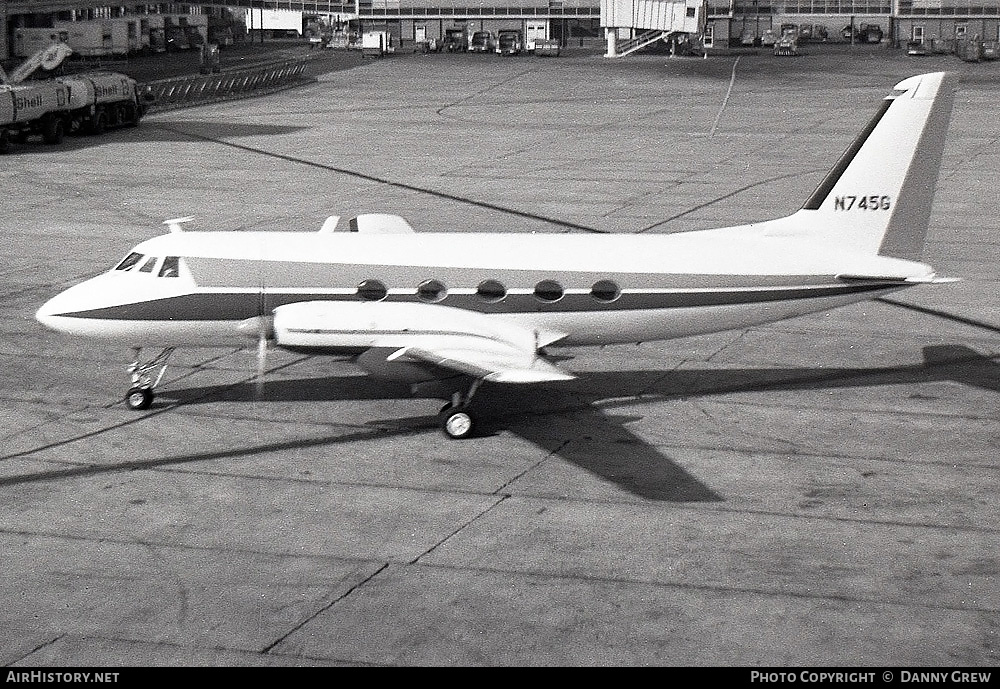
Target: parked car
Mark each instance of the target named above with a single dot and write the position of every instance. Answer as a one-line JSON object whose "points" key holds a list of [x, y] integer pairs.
{"points": [[916, 48], [768, 38], [871, 33], [510, 42], [864, 33], [482, 42], [455, 41], [788, 44]]}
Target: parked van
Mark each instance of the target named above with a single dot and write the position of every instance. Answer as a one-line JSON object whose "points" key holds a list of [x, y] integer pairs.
{"points": [[510, 42], [482, 42]]}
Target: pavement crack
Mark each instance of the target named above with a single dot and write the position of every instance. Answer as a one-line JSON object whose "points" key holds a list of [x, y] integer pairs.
{"points": [[458, 530], [267, 649], [37, 648]]}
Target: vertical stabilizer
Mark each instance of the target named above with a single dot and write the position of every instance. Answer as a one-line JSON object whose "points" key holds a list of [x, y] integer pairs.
{"points": [[877, 198]]}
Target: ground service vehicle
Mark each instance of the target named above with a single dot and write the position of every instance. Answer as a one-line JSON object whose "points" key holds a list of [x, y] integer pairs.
{"points": [[547, 47], [99, 100], [81, 103], [455, 41], [788, 44], [482, 42], [34, 108], [510, 42]]}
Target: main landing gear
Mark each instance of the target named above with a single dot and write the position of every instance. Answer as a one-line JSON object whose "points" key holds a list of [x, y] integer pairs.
{"points": [[140, 394], [457, 421]]}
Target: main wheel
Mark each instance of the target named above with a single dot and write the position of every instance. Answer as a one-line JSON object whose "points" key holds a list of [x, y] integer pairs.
{"points": [[4, 141], [139, 398], [457, 423], [53, 130], [99, 123]]}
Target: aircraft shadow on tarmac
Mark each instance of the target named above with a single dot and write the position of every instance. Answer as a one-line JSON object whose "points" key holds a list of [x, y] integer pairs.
{"points": [[188, 130], [575, 421]]}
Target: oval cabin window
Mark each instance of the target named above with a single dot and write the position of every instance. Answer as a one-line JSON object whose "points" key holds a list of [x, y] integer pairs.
{"points": [[432, 291], [491, 291], [548, 291], [372, 290], [605, 290]]}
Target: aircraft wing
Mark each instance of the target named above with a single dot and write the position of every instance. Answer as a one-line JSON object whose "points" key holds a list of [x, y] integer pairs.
{"points": [[498, 363]]}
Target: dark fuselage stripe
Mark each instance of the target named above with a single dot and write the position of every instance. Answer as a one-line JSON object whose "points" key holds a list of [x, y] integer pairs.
{"points": [[229, 306]]}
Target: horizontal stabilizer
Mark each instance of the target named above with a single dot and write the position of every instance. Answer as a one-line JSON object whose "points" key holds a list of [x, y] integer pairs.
{"points": [[915, 279]]}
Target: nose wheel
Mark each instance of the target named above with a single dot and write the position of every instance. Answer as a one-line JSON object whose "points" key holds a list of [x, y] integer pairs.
{"points": [[140, 395], [139, 399], [457, 422]]}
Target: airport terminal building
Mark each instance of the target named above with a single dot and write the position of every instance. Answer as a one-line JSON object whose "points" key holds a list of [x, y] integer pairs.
{"points": [[574, 23]]}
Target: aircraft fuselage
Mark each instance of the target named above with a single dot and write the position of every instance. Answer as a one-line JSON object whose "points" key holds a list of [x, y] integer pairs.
{"points": [[594, 289]]}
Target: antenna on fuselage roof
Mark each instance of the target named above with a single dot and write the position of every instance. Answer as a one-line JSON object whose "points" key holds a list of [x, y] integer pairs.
{"points": [[177, 224]]}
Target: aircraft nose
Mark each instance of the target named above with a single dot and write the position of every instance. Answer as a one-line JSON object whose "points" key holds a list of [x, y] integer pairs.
{"points": [[48, 314], [59, 311]]}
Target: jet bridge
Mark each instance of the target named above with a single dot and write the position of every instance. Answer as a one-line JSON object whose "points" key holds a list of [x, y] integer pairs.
{"points": [[647, 21]]}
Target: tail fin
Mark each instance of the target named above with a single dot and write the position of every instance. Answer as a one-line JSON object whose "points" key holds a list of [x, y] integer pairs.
{"points": [[877, 198]]}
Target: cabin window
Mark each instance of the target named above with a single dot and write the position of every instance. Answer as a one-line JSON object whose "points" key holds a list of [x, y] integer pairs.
{"points": [[372, 290], [491, 291], [129, 261], [605, 290], [171, 267], [548, 291], [432, 290], [148, 266]]}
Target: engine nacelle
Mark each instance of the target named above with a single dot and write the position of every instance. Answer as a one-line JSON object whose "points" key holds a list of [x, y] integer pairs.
{"points": [[361, 325]]}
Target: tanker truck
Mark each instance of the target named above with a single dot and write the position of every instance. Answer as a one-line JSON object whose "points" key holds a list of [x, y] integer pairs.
{"points": [[34, 108], [81, 103], [99, 100]]}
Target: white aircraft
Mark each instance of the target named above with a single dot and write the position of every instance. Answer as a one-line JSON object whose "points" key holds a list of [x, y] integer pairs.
{"points": [[462, 308]]}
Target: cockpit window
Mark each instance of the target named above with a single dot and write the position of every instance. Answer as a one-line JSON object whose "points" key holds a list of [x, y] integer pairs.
{"points": [[129, 262], [170, 267], [148, 266]]}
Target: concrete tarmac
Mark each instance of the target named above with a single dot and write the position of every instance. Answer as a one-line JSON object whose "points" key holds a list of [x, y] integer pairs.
{"points": [[822, 491]]}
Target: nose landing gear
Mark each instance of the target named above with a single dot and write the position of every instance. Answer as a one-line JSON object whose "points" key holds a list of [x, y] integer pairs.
{"points": [[140, 394]]}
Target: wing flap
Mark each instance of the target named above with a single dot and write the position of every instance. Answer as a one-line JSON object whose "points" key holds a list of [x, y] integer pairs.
{"points": [[498, 363]]}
